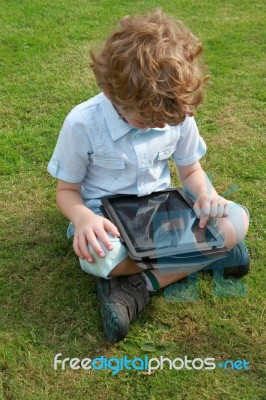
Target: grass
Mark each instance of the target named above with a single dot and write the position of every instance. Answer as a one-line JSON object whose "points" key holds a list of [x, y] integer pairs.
{"points": [[48, 305]]}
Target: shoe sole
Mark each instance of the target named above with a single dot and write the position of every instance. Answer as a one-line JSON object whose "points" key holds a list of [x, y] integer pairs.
{"points": [[115, 316], [114, 329], [115, 326]]}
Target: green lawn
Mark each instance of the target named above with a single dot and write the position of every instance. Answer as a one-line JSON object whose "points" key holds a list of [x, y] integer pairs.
{"points": [[48, 305]]}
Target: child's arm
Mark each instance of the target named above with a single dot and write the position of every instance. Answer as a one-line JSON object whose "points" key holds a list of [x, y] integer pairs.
{"points": [[208, 204], [88, 226]]}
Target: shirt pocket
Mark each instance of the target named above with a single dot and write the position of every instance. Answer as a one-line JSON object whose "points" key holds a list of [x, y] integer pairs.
{"points": [[166, 152], [112, 168]]}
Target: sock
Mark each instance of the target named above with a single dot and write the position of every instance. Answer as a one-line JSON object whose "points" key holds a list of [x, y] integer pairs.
{"points": [[152, 283]]}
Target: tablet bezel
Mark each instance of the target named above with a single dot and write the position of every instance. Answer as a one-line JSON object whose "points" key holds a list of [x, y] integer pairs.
{"points": [[217, 246]]}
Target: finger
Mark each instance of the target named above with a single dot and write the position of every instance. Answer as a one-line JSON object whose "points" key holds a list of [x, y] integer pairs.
{"points": [[203, 222], [220, 210], [223, 208], [204, 214], [111, 228], [105, 240], [82, 250], [226, 210], [76, 248], [202, 211], [95, 245], [213, 210], [197, 209], [103, 237]]}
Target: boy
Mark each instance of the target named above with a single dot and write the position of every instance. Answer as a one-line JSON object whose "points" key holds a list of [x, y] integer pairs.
{"points": [[119, 142]]}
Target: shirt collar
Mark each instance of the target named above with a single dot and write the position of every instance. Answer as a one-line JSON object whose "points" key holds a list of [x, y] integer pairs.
{"points": [[117, 126]]}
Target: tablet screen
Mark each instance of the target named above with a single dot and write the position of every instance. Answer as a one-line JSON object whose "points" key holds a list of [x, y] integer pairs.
{"points": [[159, 221]]}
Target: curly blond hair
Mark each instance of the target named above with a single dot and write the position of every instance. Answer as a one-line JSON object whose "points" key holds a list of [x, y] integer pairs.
{"points": [[149, 65]]}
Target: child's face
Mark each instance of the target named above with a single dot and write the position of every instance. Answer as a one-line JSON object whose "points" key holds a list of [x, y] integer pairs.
{"points": [[139, 124], [132, 118], [136, 121]]}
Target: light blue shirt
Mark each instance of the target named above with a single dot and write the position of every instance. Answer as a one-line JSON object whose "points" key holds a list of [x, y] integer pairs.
{"points": [[108, 156]]}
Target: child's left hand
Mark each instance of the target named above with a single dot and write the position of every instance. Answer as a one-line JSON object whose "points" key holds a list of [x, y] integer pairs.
{"points": [[210, 206]]}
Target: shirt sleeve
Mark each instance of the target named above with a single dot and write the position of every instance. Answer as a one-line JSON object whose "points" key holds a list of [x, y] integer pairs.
{"points": [[191, 147], [70, 159]]}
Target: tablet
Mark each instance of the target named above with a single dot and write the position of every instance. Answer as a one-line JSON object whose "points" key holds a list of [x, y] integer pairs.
{"points": [[161, 224]]}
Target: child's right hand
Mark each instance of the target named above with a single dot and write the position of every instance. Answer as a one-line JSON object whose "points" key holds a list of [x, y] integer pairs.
{"points": [[88, 230]]}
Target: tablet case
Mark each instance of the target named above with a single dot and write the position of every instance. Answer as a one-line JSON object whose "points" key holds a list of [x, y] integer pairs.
{"points": [[166, 227]]}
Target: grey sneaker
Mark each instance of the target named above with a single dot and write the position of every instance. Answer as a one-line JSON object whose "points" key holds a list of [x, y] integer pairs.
{"points": [[121, 299], [236, 264]]}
